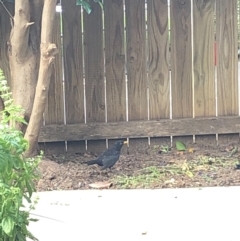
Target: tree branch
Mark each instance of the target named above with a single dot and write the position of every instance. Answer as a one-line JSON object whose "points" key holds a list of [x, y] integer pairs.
{"points": [[11, 17], [29, 24], [48, 17], [48, 51]]}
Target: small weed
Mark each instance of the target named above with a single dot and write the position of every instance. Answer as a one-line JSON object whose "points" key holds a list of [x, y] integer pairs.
{"points": [[147, 177], [202, 167]]}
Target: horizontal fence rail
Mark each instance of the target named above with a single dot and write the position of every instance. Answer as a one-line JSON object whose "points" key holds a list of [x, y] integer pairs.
{"points": [[140, 68], [134, 129]]}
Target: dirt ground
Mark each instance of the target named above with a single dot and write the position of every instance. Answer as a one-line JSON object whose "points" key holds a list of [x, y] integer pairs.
{"points": [[154, 168]]}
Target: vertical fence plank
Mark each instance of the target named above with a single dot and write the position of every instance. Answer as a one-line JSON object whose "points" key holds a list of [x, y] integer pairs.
{"points": [[158, 64], [136, 66], [94, 64], [203, 58], [73, 67], [158, 60], [94, 70], [227, 87], [203, 64], [5, 29], [181, 62], [157, 44], [54, 112], [136, 59], [115, 60], [226, 34], [181, 58]]}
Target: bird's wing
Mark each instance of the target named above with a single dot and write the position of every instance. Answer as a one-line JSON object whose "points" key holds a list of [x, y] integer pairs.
{"points": [[108, 152], [109, 161]]}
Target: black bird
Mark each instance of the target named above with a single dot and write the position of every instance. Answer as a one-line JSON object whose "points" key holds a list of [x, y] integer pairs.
{"points": [[109, 157]]}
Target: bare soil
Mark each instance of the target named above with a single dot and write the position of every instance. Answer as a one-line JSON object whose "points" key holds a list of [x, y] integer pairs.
{"points": [[153, 168]]}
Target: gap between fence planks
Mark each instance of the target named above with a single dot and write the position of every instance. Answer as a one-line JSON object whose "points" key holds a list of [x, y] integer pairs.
{"points": [[177, 127]]}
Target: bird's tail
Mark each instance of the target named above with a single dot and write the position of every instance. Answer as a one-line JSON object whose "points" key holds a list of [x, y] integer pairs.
{"points": [[92, 162]]}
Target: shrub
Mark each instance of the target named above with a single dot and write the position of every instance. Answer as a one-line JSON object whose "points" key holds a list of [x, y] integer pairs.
{"points": [[17, 173]]}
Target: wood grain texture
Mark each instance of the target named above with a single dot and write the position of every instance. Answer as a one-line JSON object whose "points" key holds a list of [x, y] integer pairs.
{"points": [[115, 60], [73, 64], [203, 58], [73, 68], [94, 64], [158, 59], [226, 34], [136, 59], [181, 58], [5, 29], [54, 112], [135, 129]]}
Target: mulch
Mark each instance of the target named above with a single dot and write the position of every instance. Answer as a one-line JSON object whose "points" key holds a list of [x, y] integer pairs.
{"points": [[151, 168]]}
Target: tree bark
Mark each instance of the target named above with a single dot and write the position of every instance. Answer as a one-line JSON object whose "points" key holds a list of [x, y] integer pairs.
{"points": [[47, 52], [24, 53]]}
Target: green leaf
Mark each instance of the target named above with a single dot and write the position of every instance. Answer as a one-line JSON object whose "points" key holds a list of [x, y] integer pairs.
{"points": [[180, 146], [85, 5], [17, 173], [7, 225], [20, 236], [29, 188]]}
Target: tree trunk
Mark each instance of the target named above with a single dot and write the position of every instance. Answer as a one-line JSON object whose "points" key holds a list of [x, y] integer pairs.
{"points": [[31, 54], [48, 51], [24, 53]]}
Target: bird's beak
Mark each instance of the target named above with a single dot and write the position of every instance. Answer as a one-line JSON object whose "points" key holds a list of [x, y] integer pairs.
{"points": [[125, 142]]}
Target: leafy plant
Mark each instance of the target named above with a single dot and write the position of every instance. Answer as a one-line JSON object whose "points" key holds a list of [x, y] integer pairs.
{"points": [[17, 173], [180, 146], [164, 149], [145, 179]]}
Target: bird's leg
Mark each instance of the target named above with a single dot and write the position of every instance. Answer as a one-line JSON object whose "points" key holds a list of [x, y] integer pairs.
{"points": [[106, 173]]}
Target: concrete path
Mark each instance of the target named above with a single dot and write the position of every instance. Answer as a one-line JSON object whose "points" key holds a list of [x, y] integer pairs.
{"points": [[168, 214]]}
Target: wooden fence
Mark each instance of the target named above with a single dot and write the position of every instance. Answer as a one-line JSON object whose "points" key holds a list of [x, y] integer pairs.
{"points": [[156, 70]]}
